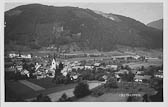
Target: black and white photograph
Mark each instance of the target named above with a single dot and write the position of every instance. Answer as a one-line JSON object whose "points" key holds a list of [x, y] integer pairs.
{"points": [[83, 52]]}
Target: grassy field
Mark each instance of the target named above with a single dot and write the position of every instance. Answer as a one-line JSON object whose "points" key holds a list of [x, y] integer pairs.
{"points": [[45, 82], [15, 90], [108, 97], [154, 62], [115, 94]]}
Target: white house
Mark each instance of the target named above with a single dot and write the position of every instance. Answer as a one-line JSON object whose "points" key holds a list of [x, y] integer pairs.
{"points": [[26, 56], [114, 67], [12, 55], [66, 69], [139, 72], [19, 68], [25, 72], [97, 64], [158, 75], [139, 78]]}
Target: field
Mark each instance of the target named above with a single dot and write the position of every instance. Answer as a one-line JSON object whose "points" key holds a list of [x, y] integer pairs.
{"points": [[44, 82], [154, 62], [108, 97], [16, 90], [119, 94]]}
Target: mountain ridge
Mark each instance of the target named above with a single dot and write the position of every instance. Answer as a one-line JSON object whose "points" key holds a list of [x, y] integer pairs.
{"points": [[36, 26], [158, 24]]}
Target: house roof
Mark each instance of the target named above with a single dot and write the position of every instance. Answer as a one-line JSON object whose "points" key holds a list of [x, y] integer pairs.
{"points": [[147, 77], [122, 71]]}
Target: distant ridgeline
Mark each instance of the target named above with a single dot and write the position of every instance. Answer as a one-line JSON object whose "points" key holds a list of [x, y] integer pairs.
{"points": [[36, 26]]}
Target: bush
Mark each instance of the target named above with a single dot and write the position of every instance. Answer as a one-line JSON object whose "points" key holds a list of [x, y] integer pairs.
{"points": [[64, 98], [157, 97], [62, 80], [131, 99], [128, 77], [101, 79], [41, 98], [156, 83], [140, 89], [81, 90], [97, 92]]}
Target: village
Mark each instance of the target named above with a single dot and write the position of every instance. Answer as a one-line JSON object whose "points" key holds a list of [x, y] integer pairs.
{"points": [[69, 69]]}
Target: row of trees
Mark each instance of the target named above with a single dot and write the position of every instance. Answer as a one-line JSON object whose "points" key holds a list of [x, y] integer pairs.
{"points": [[81, 90]]}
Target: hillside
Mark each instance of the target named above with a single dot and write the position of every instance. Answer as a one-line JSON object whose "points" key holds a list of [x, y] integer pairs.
{"points": [[35, 26], [158, 24]]}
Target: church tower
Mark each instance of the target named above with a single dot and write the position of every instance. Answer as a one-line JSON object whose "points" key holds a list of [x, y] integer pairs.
{"points": [[53, 64]]}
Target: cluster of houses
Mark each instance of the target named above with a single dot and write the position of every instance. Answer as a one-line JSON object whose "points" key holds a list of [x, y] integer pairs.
{"points": [[15, 55], [43, 71]]}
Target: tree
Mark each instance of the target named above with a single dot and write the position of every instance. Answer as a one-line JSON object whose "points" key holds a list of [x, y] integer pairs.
{"points": [[142, 68], [81, 90], [156, 83], [111, 83], [61, 66], [25, 65], [63, 98], [128, 77], [42, 98], [145, 98], [127, 67], [131, 99], [157, 97]]}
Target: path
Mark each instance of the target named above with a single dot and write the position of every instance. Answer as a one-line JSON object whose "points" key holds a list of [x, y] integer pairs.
{"points": [[31, 85]]}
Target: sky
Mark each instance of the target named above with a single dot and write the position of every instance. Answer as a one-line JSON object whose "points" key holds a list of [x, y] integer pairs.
{"points": [[143, 12]]}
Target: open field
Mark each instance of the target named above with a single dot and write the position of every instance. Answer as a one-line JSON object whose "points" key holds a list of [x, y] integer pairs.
{"points": [[15, 89], [44, 82], [69, 91], [154, 62]]}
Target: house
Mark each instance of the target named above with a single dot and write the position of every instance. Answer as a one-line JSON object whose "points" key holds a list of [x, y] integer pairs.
{"points": [[118, 77], [26, 56], [66, 69], [78, 67], [139, 72], [97, 64], [19, 67], [13, 55], [122, 71], [88, 67], [136, 57], [105, 77], [114, 67], [25, 72], [139, 78], [159, 74], [74, 76], [50, 73], [37, 66]]}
